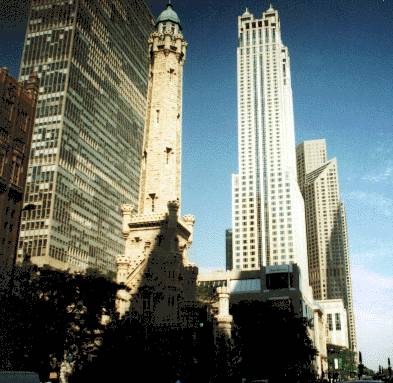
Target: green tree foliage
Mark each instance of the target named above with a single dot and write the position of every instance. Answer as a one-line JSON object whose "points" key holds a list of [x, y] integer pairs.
{"points": [[54, 318], [136, 351], [272, 344], [50, 315]]}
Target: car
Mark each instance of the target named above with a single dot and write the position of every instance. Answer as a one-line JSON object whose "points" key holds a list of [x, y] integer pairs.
{"points": [[19, 377], [363, 381]]}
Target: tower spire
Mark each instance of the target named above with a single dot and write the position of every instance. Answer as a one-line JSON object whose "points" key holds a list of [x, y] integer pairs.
{"points": [[160, 177], [270, 9]]}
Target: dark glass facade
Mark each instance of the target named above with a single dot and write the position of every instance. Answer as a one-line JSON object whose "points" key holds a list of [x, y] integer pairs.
{"points": [[92, 61]]}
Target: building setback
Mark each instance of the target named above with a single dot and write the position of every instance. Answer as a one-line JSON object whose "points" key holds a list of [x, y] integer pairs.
{"points": [[327, 237], [91, 58], [267, 207], [17, 110]]}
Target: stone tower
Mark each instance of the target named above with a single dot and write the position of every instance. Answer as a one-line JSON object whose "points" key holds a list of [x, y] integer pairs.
{"points": [[161, 165], [159, 282]]}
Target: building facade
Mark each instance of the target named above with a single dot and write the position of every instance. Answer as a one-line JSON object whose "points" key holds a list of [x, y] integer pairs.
{"points": [[91, 58], [17, 110], [327, 237], [267, 207], [336, 322], [159, 281]]}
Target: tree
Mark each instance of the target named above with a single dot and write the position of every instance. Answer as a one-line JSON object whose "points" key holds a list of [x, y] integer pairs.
{"points": [[273, 343], [52, 315], [361, 366], [156, 353]]}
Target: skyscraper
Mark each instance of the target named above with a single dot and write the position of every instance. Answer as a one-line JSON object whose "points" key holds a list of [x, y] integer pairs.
{"points": [[327, 238], [267, 206], [17, 109], [92, 61]]}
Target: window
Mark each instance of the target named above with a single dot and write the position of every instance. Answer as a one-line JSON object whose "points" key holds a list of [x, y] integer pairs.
{"points": [[338, 321], [2, 160], [15, 170]]}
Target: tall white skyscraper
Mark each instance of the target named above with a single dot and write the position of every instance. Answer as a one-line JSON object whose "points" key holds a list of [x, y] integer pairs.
{"points": [[267, 206]]}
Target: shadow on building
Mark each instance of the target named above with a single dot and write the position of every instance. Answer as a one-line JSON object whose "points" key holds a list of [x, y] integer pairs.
{"points": [[338, 282], [158, 296]]}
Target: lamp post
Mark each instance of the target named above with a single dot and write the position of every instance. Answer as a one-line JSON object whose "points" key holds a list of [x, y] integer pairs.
{"points": [[27, 207], [361, 366]]}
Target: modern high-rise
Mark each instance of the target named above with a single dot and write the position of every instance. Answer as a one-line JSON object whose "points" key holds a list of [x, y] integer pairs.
{"points": [[92, 60], [17, 109], [327, 237], [267, 207]]}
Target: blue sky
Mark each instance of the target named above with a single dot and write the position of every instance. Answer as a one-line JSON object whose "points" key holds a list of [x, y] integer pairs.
{"points": [[342, 80]]}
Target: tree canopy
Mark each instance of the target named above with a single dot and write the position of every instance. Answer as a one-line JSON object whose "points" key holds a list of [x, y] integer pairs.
{"points": [[61, 322], [272, 343]]}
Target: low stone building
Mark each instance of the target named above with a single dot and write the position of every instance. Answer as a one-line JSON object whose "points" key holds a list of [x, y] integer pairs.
{"points": [[336, 321]]}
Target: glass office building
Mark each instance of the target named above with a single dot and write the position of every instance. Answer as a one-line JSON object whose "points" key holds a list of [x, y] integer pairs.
{"points": [[92, 61]]}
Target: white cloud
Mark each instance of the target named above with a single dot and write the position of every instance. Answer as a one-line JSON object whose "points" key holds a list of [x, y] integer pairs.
{"points": [[385, 175], [375, 201], [372, 252], [373, 304]]}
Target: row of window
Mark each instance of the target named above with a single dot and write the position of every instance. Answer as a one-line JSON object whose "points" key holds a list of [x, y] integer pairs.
{"points": [[337, 321]]}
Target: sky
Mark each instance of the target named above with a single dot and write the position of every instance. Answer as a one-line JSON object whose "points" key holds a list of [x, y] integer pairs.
{"points": [[342, 81]]}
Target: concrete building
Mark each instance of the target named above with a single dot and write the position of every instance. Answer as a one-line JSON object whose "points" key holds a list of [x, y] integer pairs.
{"points": [[327, 237], [267, 207], [318, 335], [92, 62], [279, 284], [159, 281], [336, 322], [17, 110]]}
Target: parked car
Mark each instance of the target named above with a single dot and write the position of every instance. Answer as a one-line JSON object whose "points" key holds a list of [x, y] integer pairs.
{"points": [[364, 381], [19, 377]]}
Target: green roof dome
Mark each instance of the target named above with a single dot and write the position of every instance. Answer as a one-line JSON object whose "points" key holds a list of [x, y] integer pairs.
{"points": [[168, 15]]}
